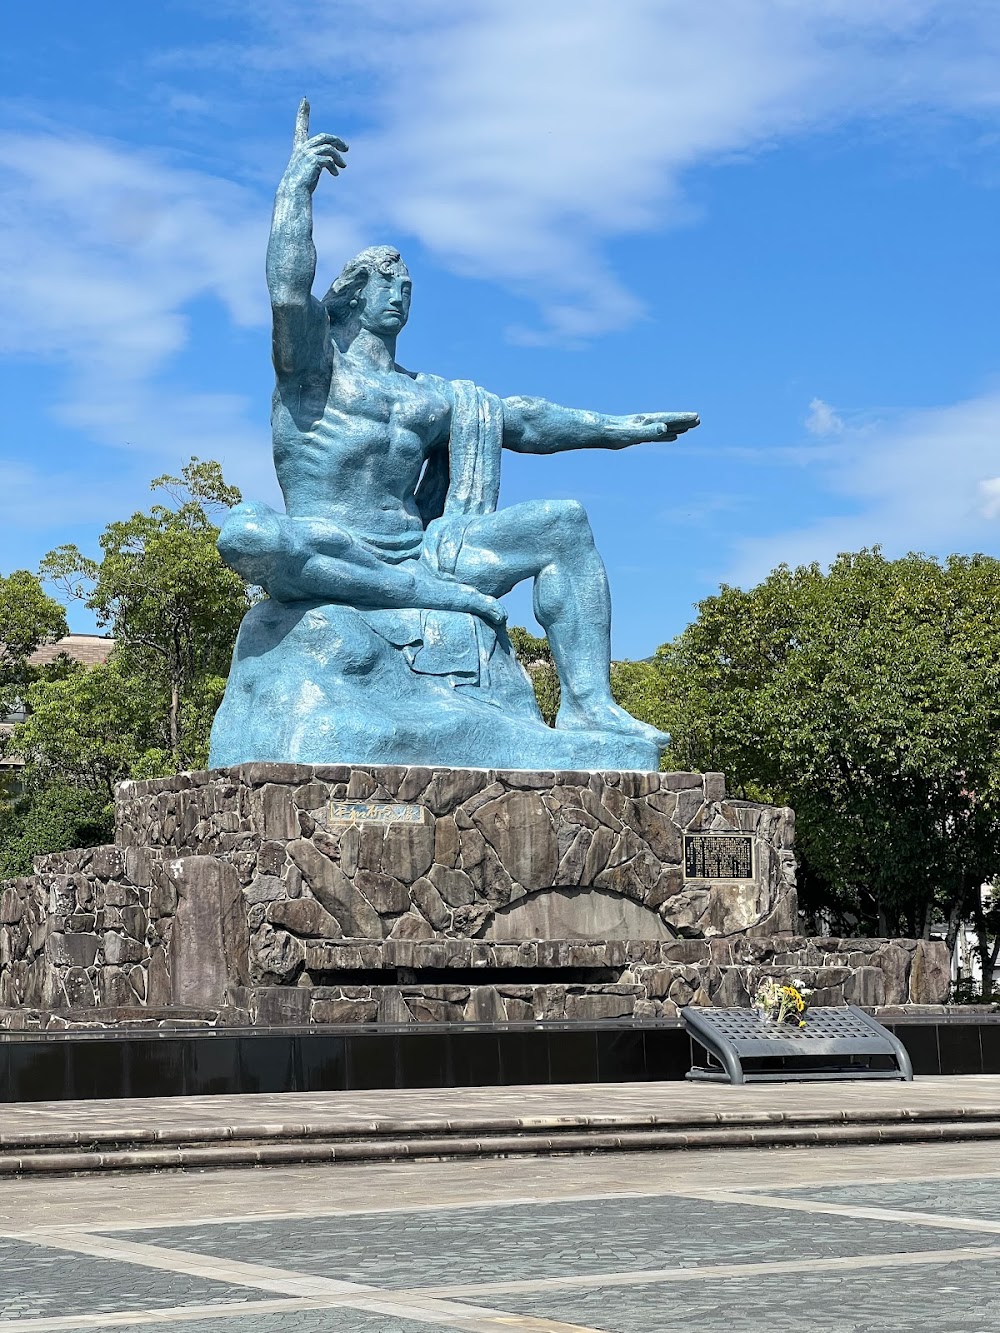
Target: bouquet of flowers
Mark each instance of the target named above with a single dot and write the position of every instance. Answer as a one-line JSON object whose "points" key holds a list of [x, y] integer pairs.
{"points": [[782, 1001]]}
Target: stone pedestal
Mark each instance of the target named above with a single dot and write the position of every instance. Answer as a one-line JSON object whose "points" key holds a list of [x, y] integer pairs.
{"points": [[281, 893]]}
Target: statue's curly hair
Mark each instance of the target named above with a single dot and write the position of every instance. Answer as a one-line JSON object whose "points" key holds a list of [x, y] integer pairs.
{"points": [[354, 275]]}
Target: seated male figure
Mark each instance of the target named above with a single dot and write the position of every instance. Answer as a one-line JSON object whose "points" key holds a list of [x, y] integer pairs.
{"points": [[365, 455]]}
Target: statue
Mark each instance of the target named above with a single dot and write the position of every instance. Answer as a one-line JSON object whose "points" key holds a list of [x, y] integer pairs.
{"points": [[382, 638]]}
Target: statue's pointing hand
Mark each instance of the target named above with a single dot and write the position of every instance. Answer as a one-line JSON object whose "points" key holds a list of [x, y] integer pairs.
{"points": [[643, 427], [312, 155]]}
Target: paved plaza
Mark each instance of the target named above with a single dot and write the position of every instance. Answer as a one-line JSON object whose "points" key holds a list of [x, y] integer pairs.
{"points": [[836, 1239]]}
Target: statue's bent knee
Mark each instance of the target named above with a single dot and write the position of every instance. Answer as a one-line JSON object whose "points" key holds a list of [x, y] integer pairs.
{"points": [[250, 539], [568, 523]]}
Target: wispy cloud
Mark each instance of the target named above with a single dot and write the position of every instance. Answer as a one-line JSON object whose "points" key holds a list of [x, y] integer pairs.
{"points": [[822, 419], [920, 481], [112, 247], [516, 138]]}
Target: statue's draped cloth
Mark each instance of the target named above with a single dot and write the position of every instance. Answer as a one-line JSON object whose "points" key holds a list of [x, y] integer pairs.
{"points": [[458, 486]]}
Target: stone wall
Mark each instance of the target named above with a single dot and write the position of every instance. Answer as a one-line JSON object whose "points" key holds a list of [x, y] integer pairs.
{"points": [[405, 981], [122, 928], [484, 841], [267, 895]]}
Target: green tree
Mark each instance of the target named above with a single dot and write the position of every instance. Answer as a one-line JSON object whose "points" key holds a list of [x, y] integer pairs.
{"points": [[28, 619], [51, 818], [867, 698], [171, 604], [90, 729], [535, 655]]}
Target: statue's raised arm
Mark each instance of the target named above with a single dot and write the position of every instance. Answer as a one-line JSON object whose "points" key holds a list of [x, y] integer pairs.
{"points": [[300, 321]]}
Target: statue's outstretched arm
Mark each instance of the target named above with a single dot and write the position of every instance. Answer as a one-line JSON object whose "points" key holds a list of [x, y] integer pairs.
{"points": [[534, 426], [300, 320]]}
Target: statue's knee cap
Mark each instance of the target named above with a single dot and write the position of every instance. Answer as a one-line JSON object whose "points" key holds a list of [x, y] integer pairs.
{"points": [[570, 518], [249, 526], [244, 543]]}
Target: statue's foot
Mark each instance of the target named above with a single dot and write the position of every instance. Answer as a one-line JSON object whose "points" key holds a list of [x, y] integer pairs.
{"points": [[606, 717]]}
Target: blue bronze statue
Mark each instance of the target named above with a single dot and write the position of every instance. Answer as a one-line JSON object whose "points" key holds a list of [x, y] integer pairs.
{"points": [[382, 639]]}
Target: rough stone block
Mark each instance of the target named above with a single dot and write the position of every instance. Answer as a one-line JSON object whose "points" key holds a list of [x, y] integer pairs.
{"points": [[79, 950], [306, 917], [344, 1011], [387, 895], [209, 941]]}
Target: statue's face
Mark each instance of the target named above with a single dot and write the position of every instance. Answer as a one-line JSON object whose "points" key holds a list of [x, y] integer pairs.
{"points": [[385, 299]]}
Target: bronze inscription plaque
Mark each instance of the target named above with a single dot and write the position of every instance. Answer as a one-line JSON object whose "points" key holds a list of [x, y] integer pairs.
{"points": [[374, 812], [718, 856]]}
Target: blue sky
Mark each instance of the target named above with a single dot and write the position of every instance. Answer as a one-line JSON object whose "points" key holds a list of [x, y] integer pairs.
{"points": [[783, 214]]}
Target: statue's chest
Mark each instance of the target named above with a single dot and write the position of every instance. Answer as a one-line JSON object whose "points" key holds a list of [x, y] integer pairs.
{"points": [[394, 402]]}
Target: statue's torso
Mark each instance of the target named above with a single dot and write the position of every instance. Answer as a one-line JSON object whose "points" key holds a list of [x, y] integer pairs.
{"points": [[350, 443]]}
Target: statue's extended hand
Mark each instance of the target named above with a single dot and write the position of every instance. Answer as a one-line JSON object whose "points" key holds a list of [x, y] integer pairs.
{"points": [[642, 427], [311, 156]]}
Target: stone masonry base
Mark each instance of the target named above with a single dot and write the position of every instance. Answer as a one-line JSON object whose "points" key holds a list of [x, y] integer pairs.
{"points": [[278, 894]]}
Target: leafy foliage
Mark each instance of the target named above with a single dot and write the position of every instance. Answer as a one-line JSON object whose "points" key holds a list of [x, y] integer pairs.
{"points": [[171, 604], [867, 698], [535, 655], [91, 729], [174, 609], [28, 618], [51, 819]]}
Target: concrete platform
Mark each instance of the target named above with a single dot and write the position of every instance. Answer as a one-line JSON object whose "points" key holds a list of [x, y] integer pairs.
{"points": [[198, 1132]]}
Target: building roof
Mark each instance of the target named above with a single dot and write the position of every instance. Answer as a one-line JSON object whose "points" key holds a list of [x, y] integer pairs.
{"points": [[89, 649]]}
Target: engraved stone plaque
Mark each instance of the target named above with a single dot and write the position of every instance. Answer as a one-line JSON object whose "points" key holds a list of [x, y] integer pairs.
{"points": [[374, 812], [718, 856]]}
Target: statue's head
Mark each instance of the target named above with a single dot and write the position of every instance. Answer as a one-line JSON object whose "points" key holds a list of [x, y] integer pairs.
{"points": [[373, 291]]}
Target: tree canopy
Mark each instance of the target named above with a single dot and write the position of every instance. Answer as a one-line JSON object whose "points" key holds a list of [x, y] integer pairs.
{"points": [[174, 609], [866, 697], [29, 617], [172, 606]]}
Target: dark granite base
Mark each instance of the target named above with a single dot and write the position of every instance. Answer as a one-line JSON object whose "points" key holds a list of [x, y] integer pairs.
{"points": [[68, 1065]]}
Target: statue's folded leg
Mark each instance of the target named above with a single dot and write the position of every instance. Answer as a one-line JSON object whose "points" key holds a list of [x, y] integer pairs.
{"points": [[315, 559], [274, 552]]}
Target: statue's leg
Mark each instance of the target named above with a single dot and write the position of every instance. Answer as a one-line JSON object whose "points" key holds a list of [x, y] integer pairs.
{"points": [[296, 559], [315, 559], [551, 542]]}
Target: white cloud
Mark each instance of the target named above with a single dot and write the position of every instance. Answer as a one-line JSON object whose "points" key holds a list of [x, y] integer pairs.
{"points": [[822, 419], [514, 138], [989, 493], [923, 481], [112, 246]]}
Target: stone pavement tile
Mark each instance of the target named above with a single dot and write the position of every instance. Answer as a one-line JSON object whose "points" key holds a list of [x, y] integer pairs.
{"points": [[336, 1320], [930, 1298], [38, 1281], [180, 1196], [466, 1245], [961, 1197]]}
